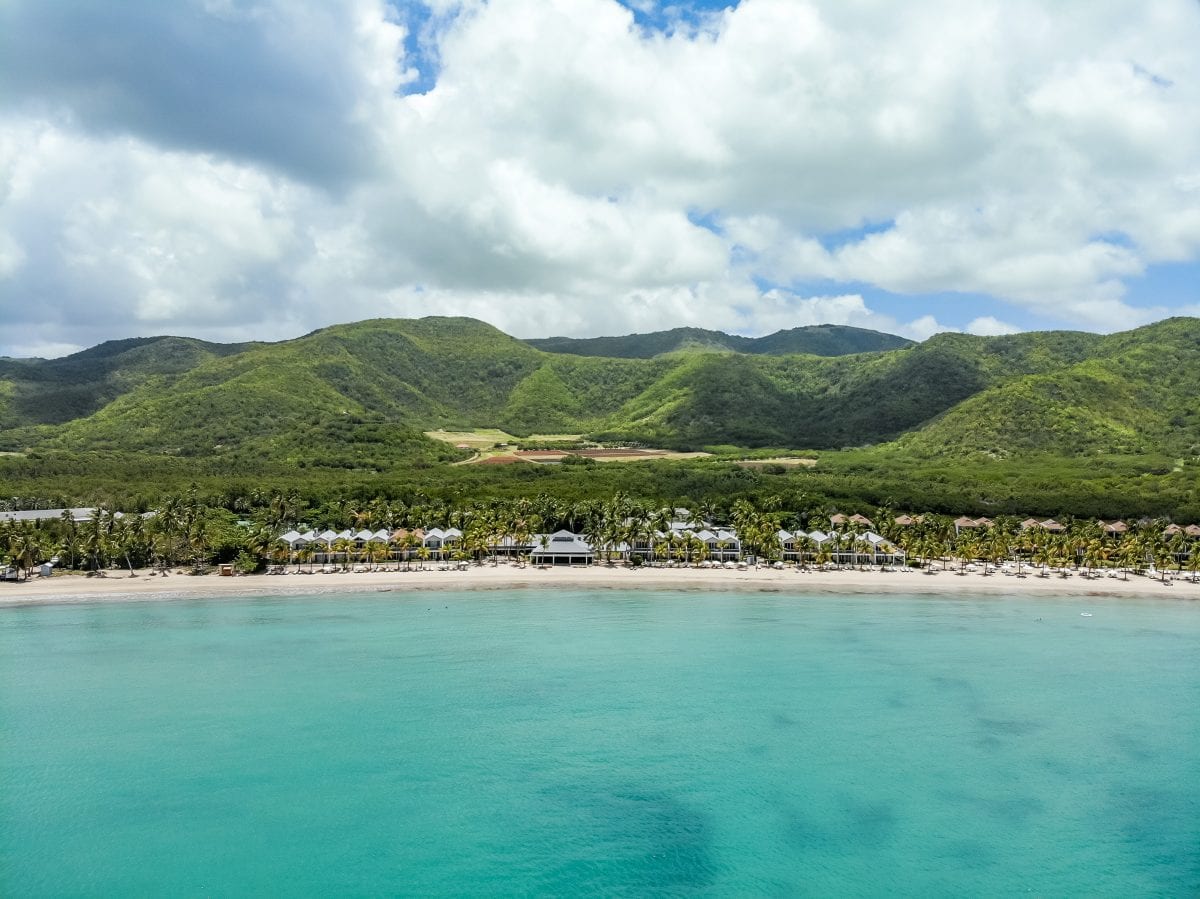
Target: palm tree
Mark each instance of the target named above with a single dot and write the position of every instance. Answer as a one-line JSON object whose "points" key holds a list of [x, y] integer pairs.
{"points": [[822, 556], [377, 553], [1129, 555], [1177, 548], [341, 546], [1043, 555], [409, 544], [804, 544], [1093, 555], [197, 542], [860, 548], [24, 550], [1193, 560], [70, 537], [660, 523]]}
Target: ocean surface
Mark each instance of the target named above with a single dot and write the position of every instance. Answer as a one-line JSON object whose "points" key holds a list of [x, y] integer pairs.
{"points": [[601, 743]]}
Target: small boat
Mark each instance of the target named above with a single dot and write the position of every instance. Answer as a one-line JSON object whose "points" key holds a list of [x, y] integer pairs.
{"points": [[1085, 614]]}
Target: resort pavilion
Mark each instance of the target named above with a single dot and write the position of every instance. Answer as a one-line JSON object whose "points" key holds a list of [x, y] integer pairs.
{"points": [[561, 548]]}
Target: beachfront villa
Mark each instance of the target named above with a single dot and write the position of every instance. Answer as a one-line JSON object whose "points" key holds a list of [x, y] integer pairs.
{"points": [[683, 542], [561, 548], [329, 546]]}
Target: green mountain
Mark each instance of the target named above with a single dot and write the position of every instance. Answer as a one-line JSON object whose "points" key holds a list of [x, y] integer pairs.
{"points": [[817, 340], [1131, 393], [41, 391], [361, 395]]}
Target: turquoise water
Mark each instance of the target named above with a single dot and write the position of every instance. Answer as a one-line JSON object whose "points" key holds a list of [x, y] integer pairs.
{"points": [[601, 743]]}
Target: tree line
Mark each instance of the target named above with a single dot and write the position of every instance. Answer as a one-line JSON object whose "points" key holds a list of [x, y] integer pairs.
{"points": [[191, 531]]}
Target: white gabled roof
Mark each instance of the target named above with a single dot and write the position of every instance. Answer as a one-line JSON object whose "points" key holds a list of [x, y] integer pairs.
{"points": [[561, 543]]}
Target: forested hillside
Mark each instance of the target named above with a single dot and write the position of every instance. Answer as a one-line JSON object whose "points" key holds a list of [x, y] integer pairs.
{"points": [[362, 394]]}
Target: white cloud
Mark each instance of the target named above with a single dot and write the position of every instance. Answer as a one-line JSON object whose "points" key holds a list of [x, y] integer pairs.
{"points": [[250, 168], [989, 326], [922, 328]]}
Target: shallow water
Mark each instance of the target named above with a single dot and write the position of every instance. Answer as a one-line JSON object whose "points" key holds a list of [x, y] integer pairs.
{"points": [[601, 743]]}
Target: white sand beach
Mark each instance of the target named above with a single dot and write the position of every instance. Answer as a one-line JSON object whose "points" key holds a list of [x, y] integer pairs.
{"points": [[117, 586]]}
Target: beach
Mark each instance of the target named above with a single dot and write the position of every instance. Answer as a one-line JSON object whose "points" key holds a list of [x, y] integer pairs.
{"points": [[117, 586]]}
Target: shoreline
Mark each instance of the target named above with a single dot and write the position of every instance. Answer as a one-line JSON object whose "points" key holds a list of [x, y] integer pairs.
{"points": [[118, 587]]}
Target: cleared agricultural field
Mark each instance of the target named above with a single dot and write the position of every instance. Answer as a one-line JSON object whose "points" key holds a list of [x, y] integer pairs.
{"points": [[603, 454], [493, 446], [486, 438]]}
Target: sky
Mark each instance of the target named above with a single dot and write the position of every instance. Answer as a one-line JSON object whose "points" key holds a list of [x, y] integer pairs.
{"points": [[256, 169]]}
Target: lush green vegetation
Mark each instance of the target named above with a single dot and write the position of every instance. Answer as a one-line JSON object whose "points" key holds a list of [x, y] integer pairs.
{"points": [[1103, 487], [1045, 423]]}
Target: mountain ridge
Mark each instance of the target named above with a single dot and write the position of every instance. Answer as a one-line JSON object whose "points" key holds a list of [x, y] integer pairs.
{"points": [[362, 394], [817, 340]]}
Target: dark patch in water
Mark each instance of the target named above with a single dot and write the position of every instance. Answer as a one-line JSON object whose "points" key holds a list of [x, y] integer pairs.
{"points": [[960, 686], [1014, 810], [1010, 727], [861, 826], [1161, 828], [1059, 767], [632, 842], [970, 853], [783, 720], [1133, 748], [804, 834], [897, 701], [871, 823]]}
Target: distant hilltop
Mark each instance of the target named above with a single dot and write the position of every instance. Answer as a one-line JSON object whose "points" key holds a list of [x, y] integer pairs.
{"points": [[815, 340]]}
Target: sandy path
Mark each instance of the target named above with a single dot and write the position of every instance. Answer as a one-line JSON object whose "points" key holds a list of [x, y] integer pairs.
{"points": [[118, 586]]}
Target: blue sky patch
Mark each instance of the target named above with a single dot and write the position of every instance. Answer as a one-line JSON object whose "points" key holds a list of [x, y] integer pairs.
{"points": [[670, 18]]}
